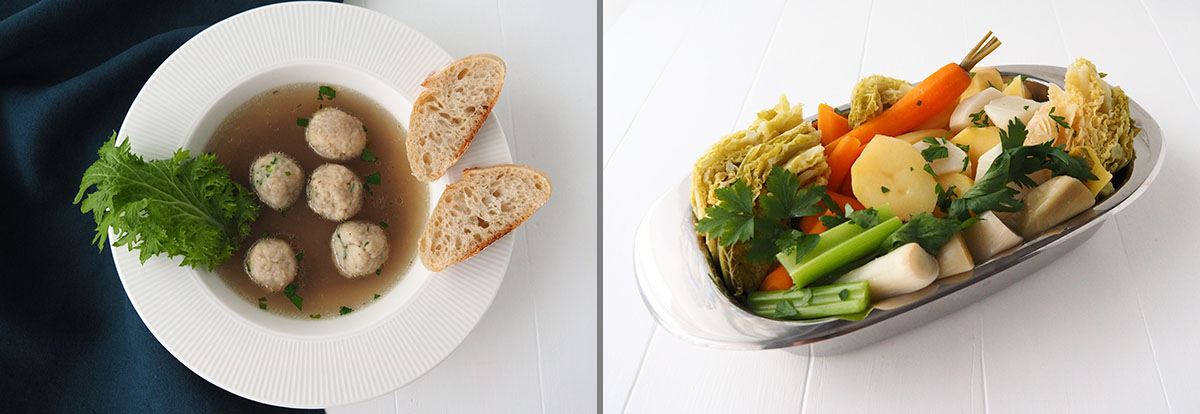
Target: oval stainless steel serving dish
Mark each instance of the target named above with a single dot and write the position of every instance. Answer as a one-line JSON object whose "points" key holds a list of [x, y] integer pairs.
{"points": [[675, 278]]}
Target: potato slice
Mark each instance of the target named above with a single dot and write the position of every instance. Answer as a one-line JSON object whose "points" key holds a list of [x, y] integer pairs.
{"points": [[897, 167], [959, 181], [1016, 87], [982, 79], [916, 136], [979, 141]]}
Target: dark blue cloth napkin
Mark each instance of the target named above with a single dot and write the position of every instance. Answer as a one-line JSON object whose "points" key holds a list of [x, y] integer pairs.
{"points": [[70, 340]]}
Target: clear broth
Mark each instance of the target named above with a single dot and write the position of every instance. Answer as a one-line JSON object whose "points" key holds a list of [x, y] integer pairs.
{"points": [[268, 122]]}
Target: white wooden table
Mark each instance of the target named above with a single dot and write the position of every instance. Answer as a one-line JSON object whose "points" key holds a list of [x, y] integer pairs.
{"points": [[535, 350], [1109, 327]]}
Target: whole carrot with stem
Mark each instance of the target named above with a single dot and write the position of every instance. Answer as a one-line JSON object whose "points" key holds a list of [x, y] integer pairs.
{"points": [[928, 98]]}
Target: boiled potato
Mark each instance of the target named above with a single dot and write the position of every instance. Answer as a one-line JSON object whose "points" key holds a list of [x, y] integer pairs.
{"points": [[1016, 87], [983, 78], [959, 181], [916, 136], [897, 166], [979, 141], [1103, 177]]}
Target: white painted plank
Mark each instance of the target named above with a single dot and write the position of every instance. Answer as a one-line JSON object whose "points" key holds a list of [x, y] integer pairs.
{"points": [[1160, 242], [934, 368], [1069, 338], [636, 50], [552, 82], [683, 378], [496, 365], [685, 112]]}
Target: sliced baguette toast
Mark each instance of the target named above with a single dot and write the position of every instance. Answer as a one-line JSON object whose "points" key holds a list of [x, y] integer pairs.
{"points": [[448, 113], [472, 213]]}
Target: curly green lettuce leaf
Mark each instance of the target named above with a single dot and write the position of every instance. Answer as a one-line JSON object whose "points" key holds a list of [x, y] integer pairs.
{"points": [[182, 206]]}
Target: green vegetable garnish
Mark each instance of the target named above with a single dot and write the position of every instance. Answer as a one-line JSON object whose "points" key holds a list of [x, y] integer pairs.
{"points": [[367, 156], [344, 310], [377, 271], [734, 219], [383, 224], [182, 206], [299, 256], [262, 303], [376, 296], [290, 292], [315, 316], [302, 122], [979, 119], [884, 190], [1059, 119], [845, 293], [926, 230], [326, 92], [1015, 163]]}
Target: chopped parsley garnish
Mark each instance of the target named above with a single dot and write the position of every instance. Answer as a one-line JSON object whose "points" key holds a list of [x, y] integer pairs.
{"points": [[845, 293], [884, 190], [290, 292], [1059, 119], [298, 105], [979, 119], [265, 234], [377, 271], [383, 224], [964, 148], [315, 316], [1026, 107], [288, 173], [364, 128], [371, 179], [863, 218], [344, 310], [262, 303], [376, 296], [935, 150], [299, 256], [325, 92], [918, 102], [929, 169], [367, 156], [303, 122]]}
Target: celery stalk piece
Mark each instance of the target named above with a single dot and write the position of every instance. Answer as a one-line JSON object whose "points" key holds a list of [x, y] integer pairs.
{"points": [[815, 302], [845, 252], [829, 239]]}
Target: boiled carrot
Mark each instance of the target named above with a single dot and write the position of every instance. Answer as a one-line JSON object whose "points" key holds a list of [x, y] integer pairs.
{"points": [[831, 124], [778, 279], [928, 98], [841, 159]]}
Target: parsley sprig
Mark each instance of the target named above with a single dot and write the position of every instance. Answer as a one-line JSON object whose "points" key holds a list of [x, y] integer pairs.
{"points": [[762, 221], [1015, 163]]}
